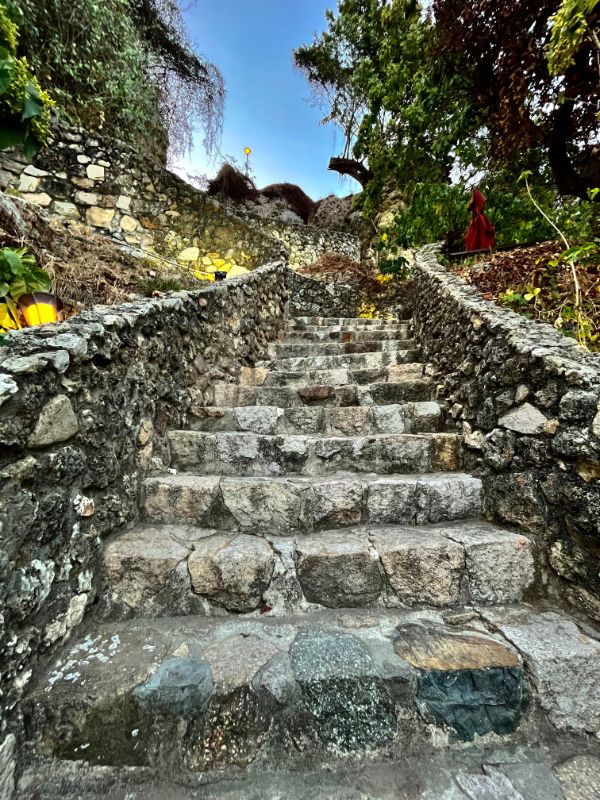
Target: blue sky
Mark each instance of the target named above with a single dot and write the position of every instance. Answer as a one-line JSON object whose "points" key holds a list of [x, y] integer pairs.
{"points": [[268, 104]]}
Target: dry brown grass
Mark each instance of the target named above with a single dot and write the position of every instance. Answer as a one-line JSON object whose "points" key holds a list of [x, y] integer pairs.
{"points": [[230, 182], [86, 268], [297, 199]]}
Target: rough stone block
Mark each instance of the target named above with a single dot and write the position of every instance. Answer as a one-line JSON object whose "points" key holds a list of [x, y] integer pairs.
{"points": [[336, 503], [526, 419], [338, 569], [471, 683], [56, 423], [41, 199], [563, 661], [140, 563], [499, 564], [95, 172], [421, 567], [28, 183], [66, 209], [183, 498], [100, 217], [262, 503], [232, 571], [128, 224]]}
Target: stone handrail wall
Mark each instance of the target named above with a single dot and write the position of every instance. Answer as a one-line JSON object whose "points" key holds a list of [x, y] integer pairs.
{"points": [[108, 186], [528, 401], [84, 409], [310, 297]]}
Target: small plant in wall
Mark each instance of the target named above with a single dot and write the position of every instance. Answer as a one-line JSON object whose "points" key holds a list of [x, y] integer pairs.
{"points": [[24, 291], [390, 259]]}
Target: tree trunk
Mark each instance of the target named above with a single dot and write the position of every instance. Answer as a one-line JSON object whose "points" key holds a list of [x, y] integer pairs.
{"points": [[349, 166], [568, 180]]}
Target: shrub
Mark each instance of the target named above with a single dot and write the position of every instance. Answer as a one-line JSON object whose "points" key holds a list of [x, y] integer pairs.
{"points": [[230, 182], [24, 106]]}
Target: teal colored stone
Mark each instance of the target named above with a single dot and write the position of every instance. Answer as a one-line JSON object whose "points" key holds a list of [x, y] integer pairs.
{"points": [[179, 686]]}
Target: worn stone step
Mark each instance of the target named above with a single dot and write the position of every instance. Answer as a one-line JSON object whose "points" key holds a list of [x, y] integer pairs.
{"points": [[338, 334], [269, 373], [550, 771], [303, 348], [348, 361], [345, 322], [414, 389], [158, 570], [201, 695], [409, 370], [291, 504], [243, 453], [348, 421]]}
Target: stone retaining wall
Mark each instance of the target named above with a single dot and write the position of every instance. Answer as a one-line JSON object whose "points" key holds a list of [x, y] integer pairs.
{"points": [[528, 401], [310, 297], [111, 188], [84, 411]]}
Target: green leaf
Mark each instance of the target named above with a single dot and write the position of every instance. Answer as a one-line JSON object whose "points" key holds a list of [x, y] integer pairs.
{"points": [[5, 75], [33, 105], [14, 261], [17, 288]]}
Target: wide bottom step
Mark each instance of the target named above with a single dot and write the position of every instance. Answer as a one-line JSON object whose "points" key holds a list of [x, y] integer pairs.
{"points": [[198, 694], [568, 770]]}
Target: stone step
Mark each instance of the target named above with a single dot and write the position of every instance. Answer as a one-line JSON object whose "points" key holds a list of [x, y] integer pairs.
{"points": [[551, 771], [358, 322], [335, 377], [172, 570], [348, 361], [337, 334], [305, 348], [349, 421], [200, 695], [301, 504], [415, 389], [242, 453]]}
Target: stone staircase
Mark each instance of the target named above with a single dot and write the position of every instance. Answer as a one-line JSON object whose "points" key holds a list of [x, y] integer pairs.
{"points": [[313, 581]]}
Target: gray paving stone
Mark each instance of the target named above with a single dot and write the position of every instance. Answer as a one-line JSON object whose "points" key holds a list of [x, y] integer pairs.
{"points": [[564, 663]]}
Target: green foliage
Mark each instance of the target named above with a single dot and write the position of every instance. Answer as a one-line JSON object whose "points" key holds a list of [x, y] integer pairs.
{"points": [[19, 273], [570, 27], [24, 106], [124, 68], [432, 120]]}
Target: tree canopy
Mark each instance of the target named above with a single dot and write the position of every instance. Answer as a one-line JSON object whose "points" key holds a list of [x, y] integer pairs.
{"points": [[432, 98], [535, 71], [126, 68]]}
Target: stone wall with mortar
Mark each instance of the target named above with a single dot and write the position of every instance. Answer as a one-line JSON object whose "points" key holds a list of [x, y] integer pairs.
{"points": [[310, 297], [528, 401], [109, 187], [84, 411]]}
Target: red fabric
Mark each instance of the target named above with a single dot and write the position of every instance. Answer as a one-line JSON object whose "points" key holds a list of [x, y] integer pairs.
{"points": [[481, 234]]}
